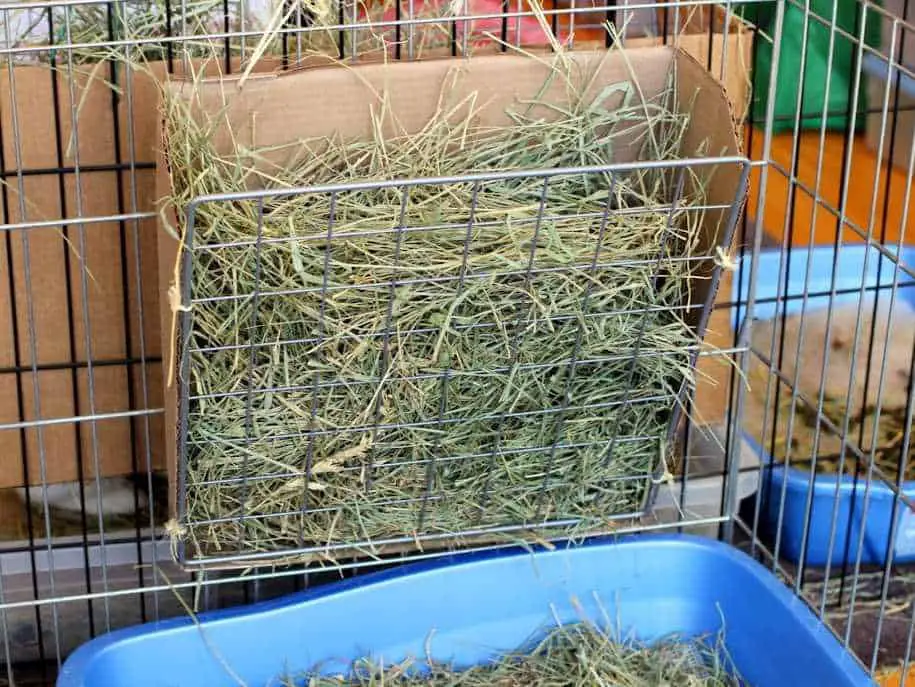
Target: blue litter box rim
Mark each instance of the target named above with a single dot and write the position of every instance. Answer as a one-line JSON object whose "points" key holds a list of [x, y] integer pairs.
{"points": [[846, 484], [740, 288], [824, 484], [75, 667]]}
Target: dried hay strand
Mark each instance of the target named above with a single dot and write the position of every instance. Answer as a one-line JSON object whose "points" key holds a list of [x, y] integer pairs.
{"points": [[479, 370], [138, 31], [89, 33], [813, 442], [577, 655], [134, 31]]}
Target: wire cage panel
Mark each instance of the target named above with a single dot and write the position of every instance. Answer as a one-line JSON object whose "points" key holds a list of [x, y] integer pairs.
{"points": [[402, 381], [77, 159], [829, 366], [810, 186]]}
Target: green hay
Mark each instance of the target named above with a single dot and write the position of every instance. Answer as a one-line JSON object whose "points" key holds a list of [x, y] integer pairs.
{"points": [[576, 655], [94, 27], [156, 29], [461, 377]]}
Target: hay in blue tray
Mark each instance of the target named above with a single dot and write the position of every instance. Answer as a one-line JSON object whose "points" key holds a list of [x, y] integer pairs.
{"points": [[580, 654], [681, 604], [406, 364]]}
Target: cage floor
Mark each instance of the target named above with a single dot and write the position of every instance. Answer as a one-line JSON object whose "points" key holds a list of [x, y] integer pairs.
{"points": [[896, 618], [897, 611]]}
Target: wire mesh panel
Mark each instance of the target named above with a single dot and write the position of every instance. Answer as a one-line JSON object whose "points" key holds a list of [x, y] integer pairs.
{"points": [[82, 406], [433, 369], [829, 369]]}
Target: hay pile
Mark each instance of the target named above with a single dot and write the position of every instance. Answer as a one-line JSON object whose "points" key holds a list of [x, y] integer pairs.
{"points": [[479, 370], [148, 24], [579, 655], [888, 442], [134, 32]]}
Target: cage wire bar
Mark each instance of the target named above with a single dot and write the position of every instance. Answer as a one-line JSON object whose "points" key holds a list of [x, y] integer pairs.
{"points": [[854, 597], [59, 588]]}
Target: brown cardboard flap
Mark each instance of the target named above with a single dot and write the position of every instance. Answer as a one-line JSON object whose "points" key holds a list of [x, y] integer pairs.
{"points": [[275, 112]]}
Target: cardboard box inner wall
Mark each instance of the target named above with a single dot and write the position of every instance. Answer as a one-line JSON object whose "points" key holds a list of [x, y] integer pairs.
{"points": [[285, 110], [116, 178]]}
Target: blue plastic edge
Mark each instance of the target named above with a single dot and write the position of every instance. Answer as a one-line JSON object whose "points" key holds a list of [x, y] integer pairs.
{"points": [[879, 67], [849, 275], [823, 483], [75, 667]]}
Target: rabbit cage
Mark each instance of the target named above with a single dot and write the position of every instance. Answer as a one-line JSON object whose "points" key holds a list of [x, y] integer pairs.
{"points": [[300, 290]]}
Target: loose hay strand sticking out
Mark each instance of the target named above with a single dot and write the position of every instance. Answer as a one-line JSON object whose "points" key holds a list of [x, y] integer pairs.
{"points": [[577, 655], [448, 357]]}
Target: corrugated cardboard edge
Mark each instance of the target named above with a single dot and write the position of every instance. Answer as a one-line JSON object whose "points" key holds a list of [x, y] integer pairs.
{"points": [[687, 42], [169, 224], [717, 371], [725, 242], [168, 255], [168, 251]]}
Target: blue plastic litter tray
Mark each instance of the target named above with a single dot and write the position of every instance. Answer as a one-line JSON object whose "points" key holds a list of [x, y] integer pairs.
{"points": [[482, 605], [850, 513]]}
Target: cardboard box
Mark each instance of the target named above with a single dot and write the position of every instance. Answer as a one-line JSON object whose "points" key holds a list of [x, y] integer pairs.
{"points": [[27, 94], [285, 110], [49, 310], [35, 116]]}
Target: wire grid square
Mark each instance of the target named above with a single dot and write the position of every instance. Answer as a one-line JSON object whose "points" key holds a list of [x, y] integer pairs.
{"points": [[468, 395]]}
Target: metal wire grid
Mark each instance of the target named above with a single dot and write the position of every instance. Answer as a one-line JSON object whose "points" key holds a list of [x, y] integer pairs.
{"points": [[860, 601], [47, 600], [575, 360], [21, 232]]}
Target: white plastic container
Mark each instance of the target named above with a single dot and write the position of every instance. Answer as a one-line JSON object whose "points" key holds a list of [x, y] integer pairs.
{"points": [[703, 496]]}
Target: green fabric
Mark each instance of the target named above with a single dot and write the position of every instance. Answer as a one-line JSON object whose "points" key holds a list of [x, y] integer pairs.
{"points": [[818, 64]]}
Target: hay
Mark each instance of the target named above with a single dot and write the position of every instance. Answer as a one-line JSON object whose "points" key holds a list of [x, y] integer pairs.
{"points": [[138, 31], [445, 403], [804, 444], [135, 32], [576, 655], [143, 23], [890, 434], [158, 30]]}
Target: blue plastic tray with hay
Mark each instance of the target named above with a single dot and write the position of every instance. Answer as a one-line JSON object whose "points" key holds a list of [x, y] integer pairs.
{"points": [[873, 531], [470, 608]]}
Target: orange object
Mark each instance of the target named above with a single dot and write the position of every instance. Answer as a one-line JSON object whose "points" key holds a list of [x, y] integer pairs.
{"points": [[863, 206], [588, 26], [893, 678]]}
